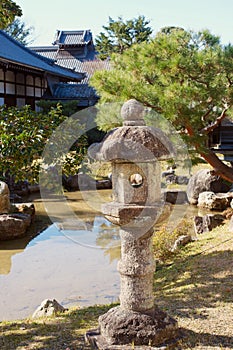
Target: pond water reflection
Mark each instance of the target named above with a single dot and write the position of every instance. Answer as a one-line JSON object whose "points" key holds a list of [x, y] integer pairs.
{"points": [[76, 267]]}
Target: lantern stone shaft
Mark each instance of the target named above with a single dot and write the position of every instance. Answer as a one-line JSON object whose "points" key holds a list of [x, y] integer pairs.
{"points": [[134, 150]]}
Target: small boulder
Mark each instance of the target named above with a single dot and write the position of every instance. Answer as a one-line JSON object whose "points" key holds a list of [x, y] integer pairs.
{"points": [[103, 184], [204, 180], [207, 222], [181, 241], [4, 198], [25, 208], [13, 225], [34, 188], [48, 308], [182, 180], [212, 201], [175, 196], [79, 182]]}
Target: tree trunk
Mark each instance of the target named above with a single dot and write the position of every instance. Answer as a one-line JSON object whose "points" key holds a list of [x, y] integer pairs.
{"points": [[221, 169], [226, 172]]}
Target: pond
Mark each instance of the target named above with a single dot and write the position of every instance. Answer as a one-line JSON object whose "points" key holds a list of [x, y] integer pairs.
{"points": [[76, 267]]}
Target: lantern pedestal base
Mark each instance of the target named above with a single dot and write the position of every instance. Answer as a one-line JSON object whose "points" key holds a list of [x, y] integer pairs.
{"points": [[119, 327]]}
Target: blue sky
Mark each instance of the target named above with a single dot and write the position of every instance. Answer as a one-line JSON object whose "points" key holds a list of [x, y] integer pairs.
{"points": [[46, 16]]}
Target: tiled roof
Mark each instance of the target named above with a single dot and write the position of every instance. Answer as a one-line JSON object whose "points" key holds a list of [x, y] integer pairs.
{"points": [[14, 52], [74, 37], [227, 122], [88, 64], [85, 94], [46, 51], [73, 91]]}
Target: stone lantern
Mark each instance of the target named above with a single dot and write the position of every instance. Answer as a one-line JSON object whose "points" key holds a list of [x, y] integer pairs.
{"points": [[134, 151]]}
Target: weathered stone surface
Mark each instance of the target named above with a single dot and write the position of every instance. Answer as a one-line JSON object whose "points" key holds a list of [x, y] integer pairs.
{"points": [[125, 187], [181, 241], [204, 180], [136, 267], [134, 150], [207, 222], [14, 225], [4, 198], [48, 308], [134, 141], [213, 201], [119, 326], [133, 111], [133, 144], [120, 214], [175, 196]]}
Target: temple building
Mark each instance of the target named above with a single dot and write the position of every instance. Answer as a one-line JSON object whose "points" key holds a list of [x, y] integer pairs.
{"points": [[26, 77], [74, 50], [221, 140]]}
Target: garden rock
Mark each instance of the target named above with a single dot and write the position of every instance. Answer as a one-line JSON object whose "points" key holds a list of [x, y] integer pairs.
{"points": [[204, 180], [4, 198], [25, 208], [48, 308], [182, 180], [103, 184], [34, 188], [207, 222], [127, 324], [175, 196], [212, 201], [79, 182], [20, 188], [181, 242], [13, 225]]}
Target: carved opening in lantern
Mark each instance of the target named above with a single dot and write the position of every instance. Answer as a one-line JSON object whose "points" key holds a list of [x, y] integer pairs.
{"points": [[136, 180]]}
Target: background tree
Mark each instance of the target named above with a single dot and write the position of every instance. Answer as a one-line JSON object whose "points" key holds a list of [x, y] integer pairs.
{"points": [[19, 31], [8, 11], [23, 136], [119, 35], [186, 76]]}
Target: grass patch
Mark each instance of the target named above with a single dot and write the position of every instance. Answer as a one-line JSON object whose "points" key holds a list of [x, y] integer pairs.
{"points": [[195, 287], [61, 332]]}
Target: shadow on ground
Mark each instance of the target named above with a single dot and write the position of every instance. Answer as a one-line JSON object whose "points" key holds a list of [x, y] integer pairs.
{"points": [[198, 292]]}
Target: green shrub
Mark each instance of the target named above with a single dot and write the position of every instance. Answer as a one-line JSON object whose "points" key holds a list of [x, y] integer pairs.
{"points": [[164, 239], [23, 136]]}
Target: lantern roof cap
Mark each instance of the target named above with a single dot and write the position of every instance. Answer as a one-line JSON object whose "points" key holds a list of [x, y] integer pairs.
{"points": [[134, 141]]}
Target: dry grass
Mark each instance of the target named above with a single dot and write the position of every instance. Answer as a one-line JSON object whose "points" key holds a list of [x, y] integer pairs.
{"points": [[197, 289]]}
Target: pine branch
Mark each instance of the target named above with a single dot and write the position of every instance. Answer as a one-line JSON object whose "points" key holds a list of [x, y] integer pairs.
{"points": [[216, 123]]}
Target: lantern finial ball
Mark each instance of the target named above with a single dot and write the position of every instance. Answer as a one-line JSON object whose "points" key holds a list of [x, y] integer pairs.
{"points": [[132, 110]]}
